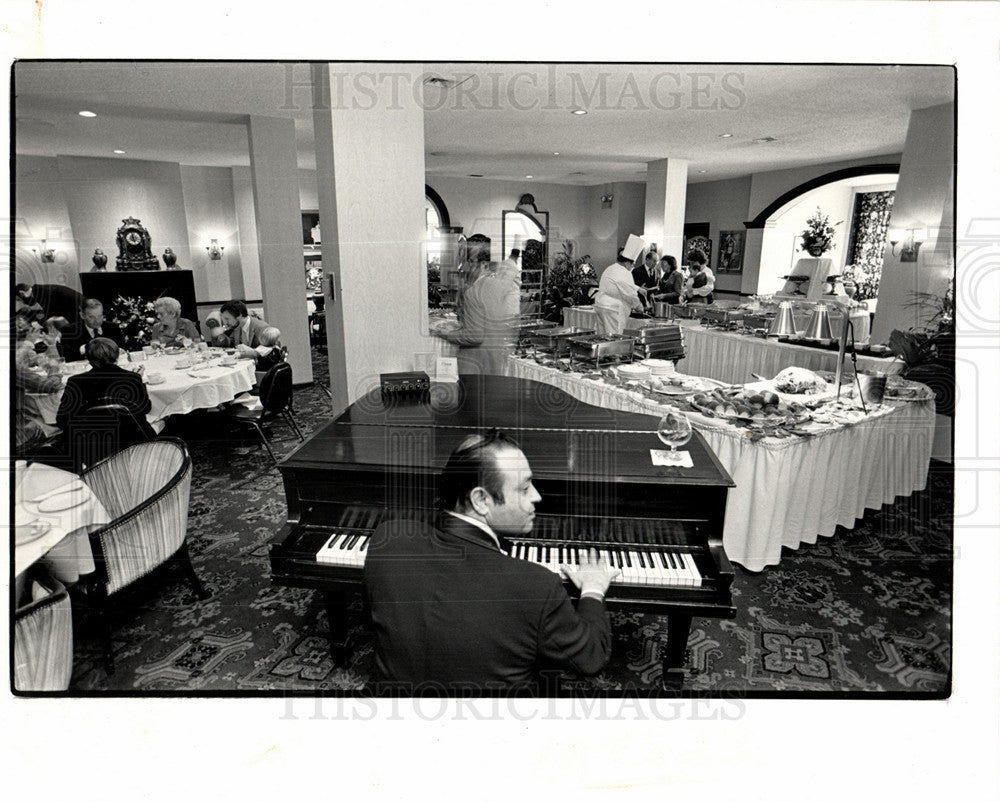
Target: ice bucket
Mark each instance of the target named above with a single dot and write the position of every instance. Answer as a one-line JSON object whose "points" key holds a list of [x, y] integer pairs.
{"points": [[872, 387]]}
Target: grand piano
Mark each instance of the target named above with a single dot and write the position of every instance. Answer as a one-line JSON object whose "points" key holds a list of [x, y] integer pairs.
{"points": [[661, 525]]}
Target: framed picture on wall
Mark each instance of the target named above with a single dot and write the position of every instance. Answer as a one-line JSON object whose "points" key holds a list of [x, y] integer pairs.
{"points": [[696, 238], [730, 252]]}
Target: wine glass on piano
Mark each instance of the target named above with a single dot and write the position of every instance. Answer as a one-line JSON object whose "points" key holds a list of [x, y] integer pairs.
{"points": [[674, 429]]}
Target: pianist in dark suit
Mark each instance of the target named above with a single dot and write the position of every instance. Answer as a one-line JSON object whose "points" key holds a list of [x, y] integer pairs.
{"points": [[451, 610]]}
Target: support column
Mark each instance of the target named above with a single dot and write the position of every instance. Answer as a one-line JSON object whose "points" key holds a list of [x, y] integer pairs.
{"points": [[666, 195], [274, 175], [370, 180], [924, 200]]}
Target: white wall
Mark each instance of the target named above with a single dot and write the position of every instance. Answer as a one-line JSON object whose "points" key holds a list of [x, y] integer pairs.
{"points": [[41, 210]]}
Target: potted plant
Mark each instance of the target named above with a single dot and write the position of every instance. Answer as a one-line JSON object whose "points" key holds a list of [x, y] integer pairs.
{"points": [[817, 238], [929, 351], [568, 283]]}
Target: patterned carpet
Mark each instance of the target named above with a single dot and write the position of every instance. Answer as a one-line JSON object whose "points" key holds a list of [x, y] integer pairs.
{"points": [[865, 612]]}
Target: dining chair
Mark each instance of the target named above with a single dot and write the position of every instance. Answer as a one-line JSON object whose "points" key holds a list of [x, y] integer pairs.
{"points": [[145, 490], [275, 402], [43, 639], [102, 431]]}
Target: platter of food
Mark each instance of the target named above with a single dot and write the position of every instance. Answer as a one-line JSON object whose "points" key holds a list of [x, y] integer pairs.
{"points": [[764, 409], [800, 382]]}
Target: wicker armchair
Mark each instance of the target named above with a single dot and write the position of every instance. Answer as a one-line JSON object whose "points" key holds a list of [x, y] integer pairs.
{"points": [[145, 490], [43, 642]]}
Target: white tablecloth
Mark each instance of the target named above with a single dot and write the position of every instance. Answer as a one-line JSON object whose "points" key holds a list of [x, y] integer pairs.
{"points": [[731, 357], [790, 490], [65, 542], [182, 390]]}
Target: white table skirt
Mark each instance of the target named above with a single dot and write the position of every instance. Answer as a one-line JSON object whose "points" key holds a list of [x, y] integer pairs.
{"points": [[66, 540], [180, 392], [789, 490], [731, 357]]}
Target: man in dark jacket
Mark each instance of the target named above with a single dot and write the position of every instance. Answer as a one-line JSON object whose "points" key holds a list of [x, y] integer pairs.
{"points": [[452, 611], [90, 325]]}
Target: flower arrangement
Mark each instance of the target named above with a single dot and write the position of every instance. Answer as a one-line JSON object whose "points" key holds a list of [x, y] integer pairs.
{"points": [[866, 278], [135, 317], [817, 238]]}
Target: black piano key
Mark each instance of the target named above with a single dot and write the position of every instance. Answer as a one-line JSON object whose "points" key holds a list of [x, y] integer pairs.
{"points": [[663, 560], [628, 560], [642, 562], [364, 543]]}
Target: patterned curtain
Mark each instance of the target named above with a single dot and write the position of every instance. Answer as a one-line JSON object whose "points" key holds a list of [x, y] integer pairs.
{"points": [[867, 243]]}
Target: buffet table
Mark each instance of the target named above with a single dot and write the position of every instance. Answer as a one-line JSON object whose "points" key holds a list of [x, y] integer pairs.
{"points": [[794, 489], [201, 385], [730, 357]]}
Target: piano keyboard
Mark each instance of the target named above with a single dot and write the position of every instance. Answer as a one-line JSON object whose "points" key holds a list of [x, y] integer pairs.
{"points": [[638, 566]]}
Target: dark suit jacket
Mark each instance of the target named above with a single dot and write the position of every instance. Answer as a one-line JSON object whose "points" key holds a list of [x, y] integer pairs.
{"points": [[641, 277], [98, 386], [76, 337], [449, 609]]}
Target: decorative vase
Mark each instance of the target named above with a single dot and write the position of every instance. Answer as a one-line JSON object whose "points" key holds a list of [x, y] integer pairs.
{"points": [[169, 259], [815, 251], [100, 260], [849, 287]]}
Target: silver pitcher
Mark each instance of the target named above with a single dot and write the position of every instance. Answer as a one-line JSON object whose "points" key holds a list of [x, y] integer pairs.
{"points": [[783, 324]]}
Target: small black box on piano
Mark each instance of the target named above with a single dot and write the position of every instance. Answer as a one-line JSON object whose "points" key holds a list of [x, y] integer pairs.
{"points": [[408, 382]]}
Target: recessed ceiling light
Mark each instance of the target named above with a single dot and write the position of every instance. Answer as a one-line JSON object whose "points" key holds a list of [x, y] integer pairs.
{"points": [[725, 136], [87, 114], [119, 152], [555, 153], [579, 111], [703, 171], [529, 176]]}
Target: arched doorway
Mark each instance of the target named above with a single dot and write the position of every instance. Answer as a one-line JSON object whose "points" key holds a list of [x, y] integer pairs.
{"points": [[859, 204]]}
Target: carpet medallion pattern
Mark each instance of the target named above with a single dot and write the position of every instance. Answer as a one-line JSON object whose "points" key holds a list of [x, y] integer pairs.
{"points": [[866, 611]]}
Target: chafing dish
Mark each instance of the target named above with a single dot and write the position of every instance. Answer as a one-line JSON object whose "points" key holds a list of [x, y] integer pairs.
{"points": [[758, 320], [658, 333], [556, 339], [686, 310], [598, 348], [722, 317], [531, 327], [665, 341]]}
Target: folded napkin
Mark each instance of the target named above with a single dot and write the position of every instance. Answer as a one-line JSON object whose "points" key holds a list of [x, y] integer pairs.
{"points": [[676, 459]]}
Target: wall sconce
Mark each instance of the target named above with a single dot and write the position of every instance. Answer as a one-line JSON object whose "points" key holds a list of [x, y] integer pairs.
{"points": [[44, 253], [911, 239], [215, 250], [607, 200]]}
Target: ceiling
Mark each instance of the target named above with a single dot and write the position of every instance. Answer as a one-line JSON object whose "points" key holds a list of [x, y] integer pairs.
{"points": [[500, 121]]}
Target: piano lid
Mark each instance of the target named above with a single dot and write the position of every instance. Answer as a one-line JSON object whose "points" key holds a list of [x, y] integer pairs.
{"points": [[562, 437]]}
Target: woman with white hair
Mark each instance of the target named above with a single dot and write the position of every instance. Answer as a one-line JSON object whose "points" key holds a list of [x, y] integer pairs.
{"points": [[170, 327]]}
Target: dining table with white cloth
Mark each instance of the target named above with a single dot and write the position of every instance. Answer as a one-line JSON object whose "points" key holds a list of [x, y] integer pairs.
{"points": [[203, 383], [732, 357], [789, 490], [54, 512]]}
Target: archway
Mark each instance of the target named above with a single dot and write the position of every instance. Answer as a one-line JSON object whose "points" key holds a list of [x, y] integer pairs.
{"points": [[785, 221]]}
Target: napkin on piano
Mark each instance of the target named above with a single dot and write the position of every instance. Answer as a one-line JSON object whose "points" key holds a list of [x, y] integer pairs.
{"points": [[676, 459]]}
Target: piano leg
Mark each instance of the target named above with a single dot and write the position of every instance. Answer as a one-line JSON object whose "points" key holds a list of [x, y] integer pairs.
{"points": [[337, 602], [674, 669]]}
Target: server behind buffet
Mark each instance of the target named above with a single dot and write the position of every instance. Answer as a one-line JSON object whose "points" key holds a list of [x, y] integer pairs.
{"points": [[452, 611]]}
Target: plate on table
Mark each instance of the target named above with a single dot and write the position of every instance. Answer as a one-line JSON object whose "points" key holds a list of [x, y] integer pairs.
{"points": [[227, 362], [155, 379], [30, 532], [65, 500]]}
